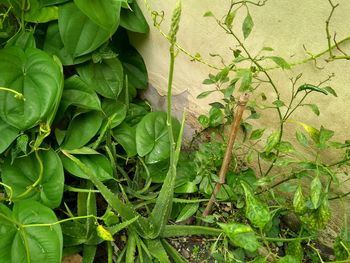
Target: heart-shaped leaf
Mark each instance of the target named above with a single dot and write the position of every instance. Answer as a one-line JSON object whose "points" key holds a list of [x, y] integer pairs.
{"points": [[53, 45], [134, 68], [81, 129], [38, 13], [99, 164], [21, 242], [241, 235], [126, 136], [8, 135], [133, 20], [105, 13], [106, 77], [115, 111], [25, 172], [77, 92], [152, 138], [79, 34], [38, 77]]}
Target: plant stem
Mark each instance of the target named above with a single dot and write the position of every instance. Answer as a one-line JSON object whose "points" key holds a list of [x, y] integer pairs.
{"points": [[35, 184], [228, 153], [18, 95], [79, 190], [60, 221]]}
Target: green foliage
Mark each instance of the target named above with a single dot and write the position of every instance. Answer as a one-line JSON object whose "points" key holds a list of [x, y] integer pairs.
{"points": [[82, 158]]}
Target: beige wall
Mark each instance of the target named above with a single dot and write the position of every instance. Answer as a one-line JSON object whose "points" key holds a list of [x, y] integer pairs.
{"points": [[285, 25]]}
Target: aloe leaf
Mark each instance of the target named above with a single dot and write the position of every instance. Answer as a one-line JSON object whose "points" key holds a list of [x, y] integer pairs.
{"points": [[172, 252], [127, 212], [186, 230], [157, 250], [162, 209]]}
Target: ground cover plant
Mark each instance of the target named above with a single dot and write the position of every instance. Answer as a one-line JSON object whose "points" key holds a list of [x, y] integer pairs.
{"points": [[87, 167]]}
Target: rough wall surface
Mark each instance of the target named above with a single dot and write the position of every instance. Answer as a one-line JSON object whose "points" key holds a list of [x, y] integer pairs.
{"points": [[292, 28]]}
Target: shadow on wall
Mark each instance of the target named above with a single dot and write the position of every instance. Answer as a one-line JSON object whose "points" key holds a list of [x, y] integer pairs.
{"points": [[180, 104]]}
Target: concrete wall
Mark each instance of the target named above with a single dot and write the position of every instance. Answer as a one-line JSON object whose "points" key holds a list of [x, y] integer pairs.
{"points": [[287, 26]]}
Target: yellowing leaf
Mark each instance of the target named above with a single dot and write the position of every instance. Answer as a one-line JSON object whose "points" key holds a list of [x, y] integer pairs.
{"points": [[104, 233], [311, 131]]}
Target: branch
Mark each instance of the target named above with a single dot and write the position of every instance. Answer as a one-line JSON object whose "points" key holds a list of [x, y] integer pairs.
{"points": [[327, 27], [228, 153]]}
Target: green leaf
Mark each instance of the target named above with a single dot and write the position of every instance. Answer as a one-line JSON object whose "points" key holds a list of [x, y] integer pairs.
{"points": [[118, 227], [256, 211], [8, 135], [204, 121], [97, 163], [186, 188], [267, 49], [115, 111], [89, 253], [281, 62], [288, 259], [104, 13], [20, 146], [187, 211], [301, 138], [89, 122], [133, 20], [314, 108], [53, 45], [25, 172], [79, 34], [246, 79], [106, 77], [216, 117], [23, 40], [241, 236], [316, 220], [208, 81], [38, 77], [325, 135], [208, 13], [157, 250], [78, 93], [247, 26], [22, 243], [272, 141], [285, 147], [38, 13], [330, 90], [341, 248], [126, 136], [256, 134], [135, 68], [299, 203], [309, 87], [205, 94], [229, 18], [173, 253], [296, 250], [230, 88], [278, 103], [152, 139], [316, 191]]}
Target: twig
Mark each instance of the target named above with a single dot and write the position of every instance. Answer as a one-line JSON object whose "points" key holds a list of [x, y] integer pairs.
{"points": [[228, 154], [327, 27]]}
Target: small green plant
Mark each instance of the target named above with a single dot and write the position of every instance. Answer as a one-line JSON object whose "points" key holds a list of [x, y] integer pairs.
{"points": [[310, 203]]}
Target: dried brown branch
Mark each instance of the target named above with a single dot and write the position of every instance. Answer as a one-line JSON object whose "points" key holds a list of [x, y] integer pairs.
{"points": [[228, 153]]}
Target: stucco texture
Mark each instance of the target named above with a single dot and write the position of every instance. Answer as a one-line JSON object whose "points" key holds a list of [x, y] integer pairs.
{"points": [[292, 28]]}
